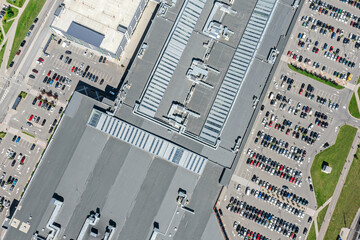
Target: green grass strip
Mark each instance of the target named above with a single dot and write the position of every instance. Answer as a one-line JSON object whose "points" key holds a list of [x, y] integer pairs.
{"points": [[2, 51], [348, 202], [307, 74], [312, 234], [335, 155], [7, 25], [26, 19], [321, 216], [29, 134], [353, 107]]}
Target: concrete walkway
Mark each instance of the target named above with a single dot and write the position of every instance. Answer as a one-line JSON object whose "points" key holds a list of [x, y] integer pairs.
{"points": [[339, 187], [317, 213], [357, 96]]}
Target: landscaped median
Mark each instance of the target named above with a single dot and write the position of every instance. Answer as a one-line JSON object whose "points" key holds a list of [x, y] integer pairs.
{"points": [[27, 18], [353, 107], [348, 202], [335, 156], [328, 82]]}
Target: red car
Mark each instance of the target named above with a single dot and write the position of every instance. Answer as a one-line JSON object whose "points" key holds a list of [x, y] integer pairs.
{"points": [[331, 48], [41, 59], [270, 123], [39, 105], [35, 71], [289, 52], [18, 52], [31, 117], [277, 126], [49, 73], [57, 78], [22, 160], [317, 50], [288, 131], [72, 68], [300, 92]]}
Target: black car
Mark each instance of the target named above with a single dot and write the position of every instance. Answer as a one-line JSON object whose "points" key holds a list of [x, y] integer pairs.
{"points": [[69, 60], [31, 76], [104, 60], [61, 57], [54, 76], [13, 163], [51, 129], [34, 101], [43, 122], [11, 64], [102, 81], [59, 41], [14, 138], [61, 109], [54, 123], [67, 52], [87, 68], [45, 79], [32, 146], [101, 58], [22, 43], [32, 27], [36, 19]]}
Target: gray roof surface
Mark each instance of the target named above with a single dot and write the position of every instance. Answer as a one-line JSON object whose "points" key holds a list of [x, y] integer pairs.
{"points": [[170, 56], [85, 34], [237, 70], [91, 169], [147, 141]]}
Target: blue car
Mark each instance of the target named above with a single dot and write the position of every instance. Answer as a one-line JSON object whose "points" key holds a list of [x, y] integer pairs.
{"points": [[18, 139]]}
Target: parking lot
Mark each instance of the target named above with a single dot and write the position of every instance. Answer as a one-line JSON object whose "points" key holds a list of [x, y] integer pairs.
{"points": [[52, 80], [271, 194], [325, 40], [49, 84], [18, 156]]}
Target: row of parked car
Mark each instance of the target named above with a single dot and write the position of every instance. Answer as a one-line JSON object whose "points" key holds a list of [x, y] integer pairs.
{"points": [[280, 191], [263, 218], [335, 12], [246, 233], [275, 168], [276, 202]]}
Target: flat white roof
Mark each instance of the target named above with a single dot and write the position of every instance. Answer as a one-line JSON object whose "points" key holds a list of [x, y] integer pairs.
{"points": [[102, 16]]}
